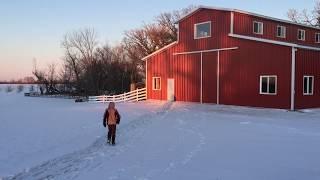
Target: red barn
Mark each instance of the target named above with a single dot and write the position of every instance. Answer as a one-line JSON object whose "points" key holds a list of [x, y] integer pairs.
{"points": [[233, 57]]}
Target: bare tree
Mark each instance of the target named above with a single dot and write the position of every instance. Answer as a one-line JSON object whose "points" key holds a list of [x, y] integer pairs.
{"points": [[40, 76], [66, 79], [79, 47], [47, 78], [52, 78], [311, 18]]}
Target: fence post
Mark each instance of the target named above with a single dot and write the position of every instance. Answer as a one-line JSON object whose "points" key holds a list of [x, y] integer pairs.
{"points": [[137, 94]]}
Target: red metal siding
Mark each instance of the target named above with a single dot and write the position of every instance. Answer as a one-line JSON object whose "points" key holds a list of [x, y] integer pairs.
{"points": [[185, 69], [187, 74], [157, 67], [240, 69], [243, 25], [307, 63]]}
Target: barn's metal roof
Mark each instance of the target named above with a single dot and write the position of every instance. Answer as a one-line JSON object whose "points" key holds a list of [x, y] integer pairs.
{"points": [[245, 12]]}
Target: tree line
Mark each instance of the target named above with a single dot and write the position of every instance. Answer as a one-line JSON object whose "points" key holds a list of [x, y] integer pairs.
{"points": [[93, 69], [90, 68]]}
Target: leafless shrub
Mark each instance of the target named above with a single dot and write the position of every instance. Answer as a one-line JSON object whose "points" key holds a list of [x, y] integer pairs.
{"points": [[31, 88], [20, 88], [9, 88]]}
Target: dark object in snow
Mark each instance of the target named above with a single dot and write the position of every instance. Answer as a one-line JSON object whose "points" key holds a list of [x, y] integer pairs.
{"points": [[80, 100], [32, 94]]}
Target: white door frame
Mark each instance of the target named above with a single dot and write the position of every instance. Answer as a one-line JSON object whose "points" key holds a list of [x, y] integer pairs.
{"points": [[170, 89]]}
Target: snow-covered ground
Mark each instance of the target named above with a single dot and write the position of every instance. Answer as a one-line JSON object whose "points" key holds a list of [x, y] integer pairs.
{"points": [[42, 138]]}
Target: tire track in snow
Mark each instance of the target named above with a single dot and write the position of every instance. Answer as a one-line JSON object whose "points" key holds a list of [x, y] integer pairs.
{"points": [[70, 165]]}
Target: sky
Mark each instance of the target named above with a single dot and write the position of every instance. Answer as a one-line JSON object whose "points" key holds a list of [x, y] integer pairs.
{"points": [[34, 29]]}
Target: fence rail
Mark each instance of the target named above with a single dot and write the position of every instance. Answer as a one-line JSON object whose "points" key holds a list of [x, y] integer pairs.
{"points": [[132, 96]]}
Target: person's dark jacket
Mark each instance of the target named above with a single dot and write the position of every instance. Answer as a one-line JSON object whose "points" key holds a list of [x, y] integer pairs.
{"points": [[106, 117]]}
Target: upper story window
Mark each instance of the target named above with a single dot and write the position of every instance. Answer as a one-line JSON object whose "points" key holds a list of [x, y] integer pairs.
{"points": [[156, 83], [202, 30], [281, 31], [317, 38], [308, 85], [301, 34], [268, 85], [257, 27]]}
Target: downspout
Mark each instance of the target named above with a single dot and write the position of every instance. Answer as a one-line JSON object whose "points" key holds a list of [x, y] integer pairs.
{"points": [[293, 77], [218, 78], [231, 22], [201, 77]]}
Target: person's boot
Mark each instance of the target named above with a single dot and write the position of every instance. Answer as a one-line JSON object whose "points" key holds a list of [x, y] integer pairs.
{"points": [[113, 141]]}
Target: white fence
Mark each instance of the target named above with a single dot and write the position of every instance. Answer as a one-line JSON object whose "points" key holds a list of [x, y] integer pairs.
{"points": [[132, 96]]}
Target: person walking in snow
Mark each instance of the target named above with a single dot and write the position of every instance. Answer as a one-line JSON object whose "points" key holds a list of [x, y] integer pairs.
{"points": [[111, 118]]}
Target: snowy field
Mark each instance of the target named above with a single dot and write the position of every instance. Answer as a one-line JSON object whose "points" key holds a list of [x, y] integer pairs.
{"points": [[43, 138]]}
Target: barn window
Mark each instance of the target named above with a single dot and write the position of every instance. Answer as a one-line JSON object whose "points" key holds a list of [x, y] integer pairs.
{"points": [[301, 34], [268, 85], [257, 27], [308, 85], [202, 30], [281, 31], [156, 83], [317, 38]]}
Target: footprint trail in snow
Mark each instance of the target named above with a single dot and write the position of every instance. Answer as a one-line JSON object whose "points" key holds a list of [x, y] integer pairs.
{"points": [[70, 165]]}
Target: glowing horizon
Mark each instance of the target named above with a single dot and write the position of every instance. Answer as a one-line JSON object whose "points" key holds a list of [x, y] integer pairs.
{"points": [[35, 28]]}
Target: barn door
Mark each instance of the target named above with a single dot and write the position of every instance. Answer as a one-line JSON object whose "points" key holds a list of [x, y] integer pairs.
{"points": [[210, 64], [170, 89]]}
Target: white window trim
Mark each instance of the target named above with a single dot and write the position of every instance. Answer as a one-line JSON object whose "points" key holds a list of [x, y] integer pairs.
{"points": [[308, 94], [153, 88], [195, 30], [315, 38], [258, 22], [304, 34], [276, 84], [285, 31]]}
